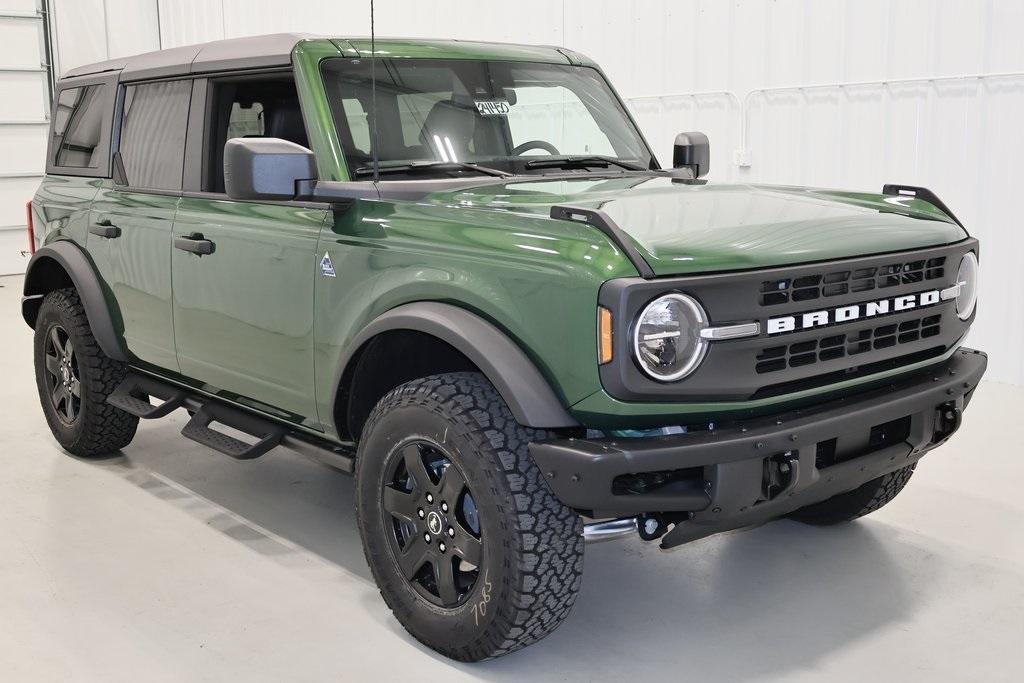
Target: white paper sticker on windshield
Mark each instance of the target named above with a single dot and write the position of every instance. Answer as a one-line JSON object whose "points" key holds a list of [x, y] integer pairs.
{"points": [[492, 107]]}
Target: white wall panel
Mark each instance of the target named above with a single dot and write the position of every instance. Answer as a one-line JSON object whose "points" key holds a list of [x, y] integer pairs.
{"points": [[20, 48], [80, 32], [24, 148], [89, 31], [711, 65], [23, 104], [184, 22], [132, 26], [24, 96]]}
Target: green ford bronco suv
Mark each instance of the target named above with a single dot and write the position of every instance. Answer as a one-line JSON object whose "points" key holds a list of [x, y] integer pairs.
{"points": [[457, 271]]}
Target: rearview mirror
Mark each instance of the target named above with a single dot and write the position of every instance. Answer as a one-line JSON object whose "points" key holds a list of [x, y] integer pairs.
{"points": [[693, 151], [265, 168]]}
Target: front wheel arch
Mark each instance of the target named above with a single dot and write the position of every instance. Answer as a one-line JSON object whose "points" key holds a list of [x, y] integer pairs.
{"points": [[473, 343]]}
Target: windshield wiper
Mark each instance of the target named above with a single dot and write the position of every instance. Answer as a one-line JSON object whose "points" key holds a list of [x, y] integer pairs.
{"points": [[420, 166], [583, 162]]}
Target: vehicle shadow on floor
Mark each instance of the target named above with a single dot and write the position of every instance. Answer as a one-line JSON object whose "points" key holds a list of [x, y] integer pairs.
{"points": [[734, 607], [279, 505]]}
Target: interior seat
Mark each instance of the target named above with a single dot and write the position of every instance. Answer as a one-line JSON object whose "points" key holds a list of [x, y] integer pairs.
{"points": [[449, 127], [284, 121]]}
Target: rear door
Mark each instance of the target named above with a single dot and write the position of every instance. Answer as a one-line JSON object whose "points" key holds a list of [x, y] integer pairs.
{"points": [[132, 215], [243, 314]]}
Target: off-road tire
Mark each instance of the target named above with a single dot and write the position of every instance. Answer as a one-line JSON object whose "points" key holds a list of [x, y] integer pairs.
{"points": [[861, 501], [532, 545], [99, 428]]}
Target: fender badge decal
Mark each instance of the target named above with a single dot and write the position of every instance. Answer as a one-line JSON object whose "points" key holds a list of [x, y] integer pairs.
{"points": [[326, 267]]}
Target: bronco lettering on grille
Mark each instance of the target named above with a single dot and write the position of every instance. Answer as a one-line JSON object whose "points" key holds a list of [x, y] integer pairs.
{"points": [[870, 309]]}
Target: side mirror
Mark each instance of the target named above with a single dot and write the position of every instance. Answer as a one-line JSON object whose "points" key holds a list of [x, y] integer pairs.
{"points": [[693, 151], [265, 168]]}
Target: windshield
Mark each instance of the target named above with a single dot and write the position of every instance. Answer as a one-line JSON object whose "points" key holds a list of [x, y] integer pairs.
{"points": [[441, 118]]}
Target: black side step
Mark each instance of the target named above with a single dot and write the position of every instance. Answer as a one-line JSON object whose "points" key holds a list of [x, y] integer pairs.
{"points": [[198, 429], [133, 394]]}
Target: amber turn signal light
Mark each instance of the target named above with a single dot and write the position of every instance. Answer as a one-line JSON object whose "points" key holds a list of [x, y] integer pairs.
{"points": [[604, 335]]}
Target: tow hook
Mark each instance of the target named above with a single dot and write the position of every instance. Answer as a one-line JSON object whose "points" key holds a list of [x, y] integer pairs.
{"points": [[947, 421], [651, 526], [781, 475]]}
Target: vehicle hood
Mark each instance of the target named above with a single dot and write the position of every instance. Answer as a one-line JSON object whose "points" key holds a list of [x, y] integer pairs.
{"points": [[681, 227]]}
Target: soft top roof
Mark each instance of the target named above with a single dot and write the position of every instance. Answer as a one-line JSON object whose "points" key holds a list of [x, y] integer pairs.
{"points": [[234, 53], [276, 49]]}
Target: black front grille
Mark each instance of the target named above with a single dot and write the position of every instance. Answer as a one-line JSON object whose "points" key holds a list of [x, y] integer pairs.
{"points": [[776, 358], [804, 358], [840, 282]]}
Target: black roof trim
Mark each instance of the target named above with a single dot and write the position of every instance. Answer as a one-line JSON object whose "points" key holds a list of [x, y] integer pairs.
{"points": [[220, 55]]}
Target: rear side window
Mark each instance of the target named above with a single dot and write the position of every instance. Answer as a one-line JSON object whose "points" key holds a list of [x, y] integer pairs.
{"points": [[153, 124], [78, 128]]}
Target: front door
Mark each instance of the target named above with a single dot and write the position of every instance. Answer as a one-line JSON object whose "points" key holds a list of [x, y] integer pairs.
{"points": [[243, 313]]}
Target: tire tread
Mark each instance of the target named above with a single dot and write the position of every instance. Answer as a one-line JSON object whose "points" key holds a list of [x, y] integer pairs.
{"points": [[864, 500], [548, 545], [106, 429]]}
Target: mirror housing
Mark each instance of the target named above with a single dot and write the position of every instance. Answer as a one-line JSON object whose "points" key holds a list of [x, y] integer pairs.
{"points": [[693, 151], [265, 168]]}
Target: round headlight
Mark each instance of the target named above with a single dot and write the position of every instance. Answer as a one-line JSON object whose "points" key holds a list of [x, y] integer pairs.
{"points": [[667, 341], [967, 278]]}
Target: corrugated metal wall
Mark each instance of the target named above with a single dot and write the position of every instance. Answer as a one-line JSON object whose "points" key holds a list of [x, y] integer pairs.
{"points": [[927, 92]]}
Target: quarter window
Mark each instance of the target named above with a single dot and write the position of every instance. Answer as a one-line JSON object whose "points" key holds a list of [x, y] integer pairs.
{"points": [[78, 127], [153, 127]]}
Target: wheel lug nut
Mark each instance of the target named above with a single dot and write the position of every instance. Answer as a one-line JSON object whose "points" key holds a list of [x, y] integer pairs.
{"points": [[421, 513], [451, 531], [426, 537], [430, 498], [441, 547], [444, 507]]}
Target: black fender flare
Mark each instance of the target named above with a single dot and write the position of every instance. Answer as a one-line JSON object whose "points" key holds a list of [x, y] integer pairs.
{"points": [[526, 391], [40, 279]]}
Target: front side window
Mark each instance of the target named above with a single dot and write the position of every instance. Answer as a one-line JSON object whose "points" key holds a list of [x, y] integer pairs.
{"points": [[153, 126], [250, 107], [78, 127], [515, 117]]}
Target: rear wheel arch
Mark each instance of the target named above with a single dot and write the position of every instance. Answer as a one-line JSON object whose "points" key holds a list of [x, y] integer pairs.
{"points": [[433, 338], [64, 264]]}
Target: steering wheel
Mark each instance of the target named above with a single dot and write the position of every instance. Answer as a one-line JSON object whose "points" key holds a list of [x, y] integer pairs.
{"points": [[534, 144]]}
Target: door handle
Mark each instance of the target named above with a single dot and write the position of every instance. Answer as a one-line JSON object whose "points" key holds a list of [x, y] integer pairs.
{"points": [[104, 228], [195, 244]]}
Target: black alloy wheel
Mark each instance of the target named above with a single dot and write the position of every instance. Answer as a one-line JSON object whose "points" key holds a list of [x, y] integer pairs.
{"points": [[63, 380], [432, 522]]}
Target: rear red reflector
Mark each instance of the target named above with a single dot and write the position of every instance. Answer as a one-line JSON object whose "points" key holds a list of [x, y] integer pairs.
{"points": [[31, 228]]}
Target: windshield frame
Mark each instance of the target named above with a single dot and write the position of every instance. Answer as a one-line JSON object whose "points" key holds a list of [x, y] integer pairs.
{"points": [[517, 166]]}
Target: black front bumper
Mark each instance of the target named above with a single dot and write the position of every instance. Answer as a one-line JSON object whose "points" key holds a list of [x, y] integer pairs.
{"points": [[765, 467]]}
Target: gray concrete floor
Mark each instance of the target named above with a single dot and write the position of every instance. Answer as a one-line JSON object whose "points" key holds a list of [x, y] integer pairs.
{"points": [[170, 562]]}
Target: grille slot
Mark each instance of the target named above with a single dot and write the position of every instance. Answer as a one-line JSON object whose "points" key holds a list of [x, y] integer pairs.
{"points": [[834, 346], [841, 282]]}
